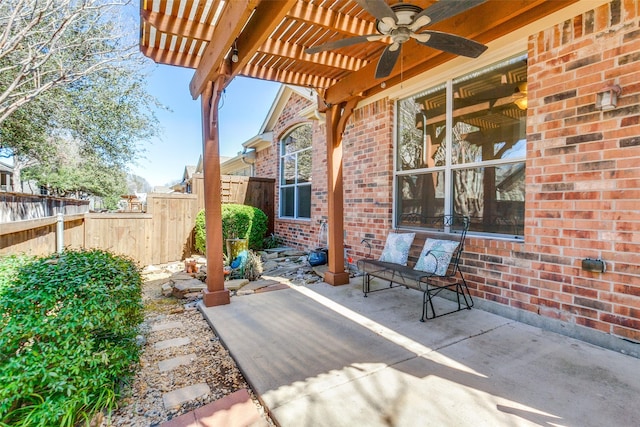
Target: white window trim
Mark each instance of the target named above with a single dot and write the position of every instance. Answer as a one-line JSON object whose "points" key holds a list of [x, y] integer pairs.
{"points": [[296, 185]]}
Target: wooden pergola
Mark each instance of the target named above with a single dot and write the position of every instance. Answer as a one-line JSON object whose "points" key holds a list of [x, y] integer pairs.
{"points": [[267, 40]]}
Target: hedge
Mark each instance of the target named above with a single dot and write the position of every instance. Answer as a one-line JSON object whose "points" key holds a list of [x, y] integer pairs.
{"points": [[238, 221]]}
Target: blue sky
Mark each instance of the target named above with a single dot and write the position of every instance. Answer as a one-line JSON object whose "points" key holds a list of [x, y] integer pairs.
{"points": [[243, 108]]}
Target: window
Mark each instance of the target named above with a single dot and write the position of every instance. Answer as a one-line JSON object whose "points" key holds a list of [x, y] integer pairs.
{"points": [[461, 150], [295, 173]]}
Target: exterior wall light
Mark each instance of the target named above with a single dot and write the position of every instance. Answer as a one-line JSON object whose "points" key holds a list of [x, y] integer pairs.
{"points": [[608, 98], [234, 56]]}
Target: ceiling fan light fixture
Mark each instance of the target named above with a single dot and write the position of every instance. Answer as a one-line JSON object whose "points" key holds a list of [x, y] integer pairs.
{"points": [[521, 101], [404, 12]]}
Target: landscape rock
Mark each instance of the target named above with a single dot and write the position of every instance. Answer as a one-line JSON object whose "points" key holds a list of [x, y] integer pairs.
{"points": [[181, 275], [293, 253], [270, 255], [183, 287], [269, 265], [235, 284]]}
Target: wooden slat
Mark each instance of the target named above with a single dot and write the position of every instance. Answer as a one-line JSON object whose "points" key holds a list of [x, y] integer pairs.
{"points": [[232, 20], [177, 26]]}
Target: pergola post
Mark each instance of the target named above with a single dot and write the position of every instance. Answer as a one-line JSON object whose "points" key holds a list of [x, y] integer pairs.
{"points": [[336, 120], [215, 294]]}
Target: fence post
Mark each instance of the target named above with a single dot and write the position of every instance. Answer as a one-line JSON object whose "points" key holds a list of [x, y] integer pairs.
{"points": [[60, 233]]}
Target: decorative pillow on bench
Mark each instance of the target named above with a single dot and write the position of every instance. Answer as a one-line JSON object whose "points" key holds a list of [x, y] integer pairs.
{"points": [[396, 248], [442, 250]]}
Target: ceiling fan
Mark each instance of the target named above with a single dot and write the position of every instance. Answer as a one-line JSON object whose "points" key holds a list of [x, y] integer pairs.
{"points": [[401, 22]]}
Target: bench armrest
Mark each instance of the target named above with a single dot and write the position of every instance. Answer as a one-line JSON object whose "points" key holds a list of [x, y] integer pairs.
{"points": [[367, 243]]}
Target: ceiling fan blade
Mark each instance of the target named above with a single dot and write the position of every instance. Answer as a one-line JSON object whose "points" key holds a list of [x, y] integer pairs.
{"points": [[441, 10], [451, 43], [344, 43], [386, 62], [380, 10]]}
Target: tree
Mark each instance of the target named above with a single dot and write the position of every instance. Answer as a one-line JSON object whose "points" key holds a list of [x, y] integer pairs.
{"points": [[85, 176], [46, 44], [70, 74]]}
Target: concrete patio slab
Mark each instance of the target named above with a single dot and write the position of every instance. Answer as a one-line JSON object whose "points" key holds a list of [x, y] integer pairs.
{"points": [[325, 356]]}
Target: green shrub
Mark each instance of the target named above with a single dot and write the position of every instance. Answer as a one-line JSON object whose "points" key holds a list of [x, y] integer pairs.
{"points": [[69, 325], [201, 233], [238, 222], [272, 241], [9, 266]]}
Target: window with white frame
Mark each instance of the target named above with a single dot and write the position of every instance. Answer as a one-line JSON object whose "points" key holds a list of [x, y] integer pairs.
{"points": [[461, 149], [295, 173]]}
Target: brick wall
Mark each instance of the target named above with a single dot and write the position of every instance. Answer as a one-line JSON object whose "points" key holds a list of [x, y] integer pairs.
{"points": [[368, 175], [583, 179]]}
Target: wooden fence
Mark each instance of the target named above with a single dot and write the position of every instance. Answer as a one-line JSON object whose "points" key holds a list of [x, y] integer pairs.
{"points": [[163, 234], [19, 206]]}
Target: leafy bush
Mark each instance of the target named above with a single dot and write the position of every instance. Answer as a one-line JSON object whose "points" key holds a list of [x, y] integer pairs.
{"points": [[201, 233], [272, 241], [9, 266], [69, 325], [238, 222]]}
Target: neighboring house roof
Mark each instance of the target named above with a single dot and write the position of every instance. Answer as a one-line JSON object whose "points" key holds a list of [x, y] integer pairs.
{"points": [[162, 189], [188, 172], [6, 168], [233, 165]]}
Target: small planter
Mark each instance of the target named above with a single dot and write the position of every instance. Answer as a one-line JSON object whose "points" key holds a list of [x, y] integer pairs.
{"points": [[235, 246]]}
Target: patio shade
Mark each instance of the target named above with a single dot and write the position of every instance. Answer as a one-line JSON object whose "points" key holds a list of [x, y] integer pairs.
{"points": [[271, 36]]}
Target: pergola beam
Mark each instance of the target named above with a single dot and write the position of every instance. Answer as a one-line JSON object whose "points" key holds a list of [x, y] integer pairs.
{"points": [[215, 294], [267, 17], [230, 24]]}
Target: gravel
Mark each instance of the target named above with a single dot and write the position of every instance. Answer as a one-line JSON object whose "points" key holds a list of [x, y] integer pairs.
{"points": [[141, 403]]}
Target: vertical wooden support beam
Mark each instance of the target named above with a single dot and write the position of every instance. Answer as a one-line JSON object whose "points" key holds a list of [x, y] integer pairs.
{"points": [[215, 294], [336, 120]]}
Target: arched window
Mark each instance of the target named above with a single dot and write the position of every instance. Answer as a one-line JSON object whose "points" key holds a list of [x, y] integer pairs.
{"points": [[295, 173]]}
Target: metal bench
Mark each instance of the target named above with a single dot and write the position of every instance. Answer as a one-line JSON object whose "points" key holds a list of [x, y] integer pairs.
{"points": [[431, 282]]}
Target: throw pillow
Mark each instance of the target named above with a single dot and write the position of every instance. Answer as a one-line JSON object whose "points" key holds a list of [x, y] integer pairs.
{"points": [[440, 253], [396, 248]]}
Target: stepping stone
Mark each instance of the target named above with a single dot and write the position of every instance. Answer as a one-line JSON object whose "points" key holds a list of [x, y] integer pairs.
{"points": [[173, 363], [174, 399], [234, 410], [164, 326], [173, 342], [191, 285]]}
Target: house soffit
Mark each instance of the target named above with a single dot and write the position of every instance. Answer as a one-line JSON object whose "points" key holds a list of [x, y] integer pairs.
{"points": [[271, 36], [259, 142]]}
